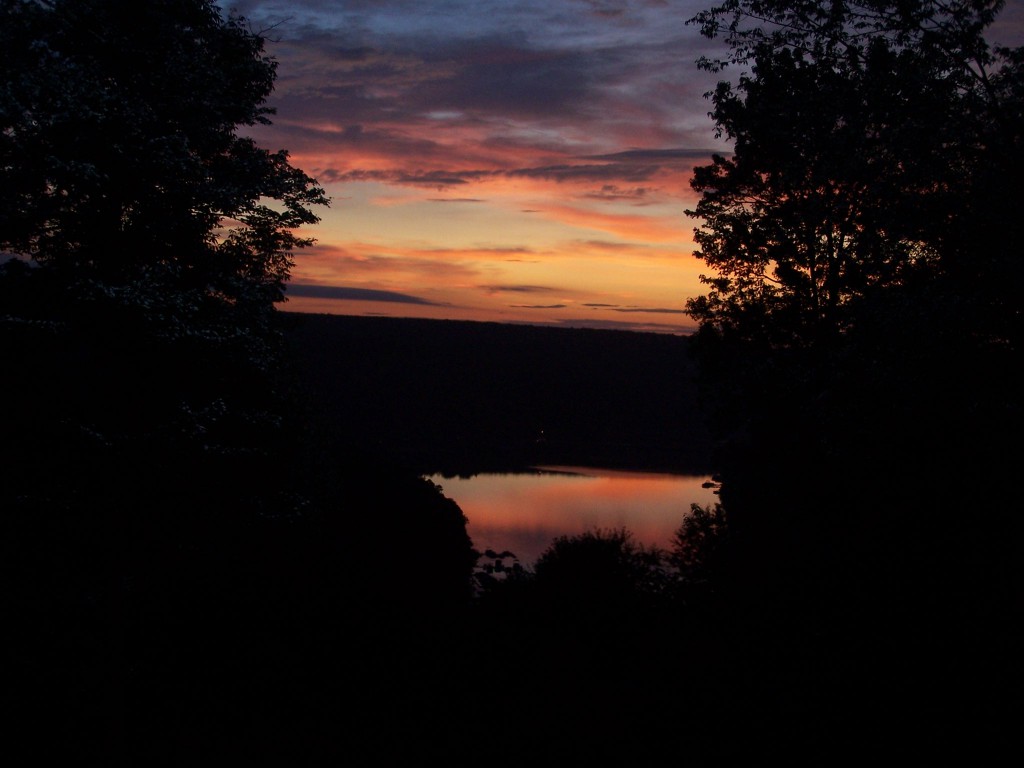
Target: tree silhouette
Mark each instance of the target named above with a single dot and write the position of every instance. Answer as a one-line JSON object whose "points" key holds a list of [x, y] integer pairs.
{"points": [[189, 563], [863, 231], [861, 341], [867, 141], [124, 169], [696, 543], [160, 235]]}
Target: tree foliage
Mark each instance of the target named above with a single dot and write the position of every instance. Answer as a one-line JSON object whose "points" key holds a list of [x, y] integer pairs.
{"points": [[604, 567], [697, 542], [159, 234], [122, 159], [875, 147], [861, 332]]}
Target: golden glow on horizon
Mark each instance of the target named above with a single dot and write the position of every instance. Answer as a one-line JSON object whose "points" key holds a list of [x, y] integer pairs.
{"points": [[569, 259]]}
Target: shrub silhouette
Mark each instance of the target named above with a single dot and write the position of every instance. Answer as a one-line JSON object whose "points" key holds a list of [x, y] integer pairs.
{"points": [[597, 573]]}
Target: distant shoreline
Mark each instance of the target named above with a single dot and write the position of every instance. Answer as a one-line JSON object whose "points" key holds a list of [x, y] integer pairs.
{"points": [[465, 396], [601, 327]]}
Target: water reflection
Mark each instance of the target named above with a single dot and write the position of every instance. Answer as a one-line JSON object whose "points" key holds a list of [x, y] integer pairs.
{"points": [[524, 512]]}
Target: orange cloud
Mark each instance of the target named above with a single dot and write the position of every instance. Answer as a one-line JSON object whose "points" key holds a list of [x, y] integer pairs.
{"points": [[632, 226]]}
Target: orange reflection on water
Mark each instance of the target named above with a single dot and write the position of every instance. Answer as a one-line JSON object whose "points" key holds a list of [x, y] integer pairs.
{"points": [[524, 513]]}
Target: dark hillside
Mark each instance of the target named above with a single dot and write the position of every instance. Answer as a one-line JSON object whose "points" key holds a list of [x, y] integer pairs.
{"points": [[460, 397]]}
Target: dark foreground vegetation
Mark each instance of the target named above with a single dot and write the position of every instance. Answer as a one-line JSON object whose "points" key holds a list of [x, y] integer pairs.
{"points": [[277, 593], [233, 585], [216, 548]]}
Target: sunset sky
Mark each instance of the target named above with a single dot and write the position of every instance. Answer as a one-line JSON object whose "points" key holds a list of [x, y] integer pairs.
{"points": [[523, 161]]}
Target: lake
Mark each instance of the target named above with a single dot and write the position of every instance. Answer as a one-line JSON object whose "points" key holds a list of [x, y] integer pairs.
{"points": [[524, 512]]}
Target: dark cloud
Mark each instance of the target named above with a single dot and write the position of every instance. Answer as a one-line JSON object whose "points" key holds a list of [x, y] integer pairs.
{"points": [[438, 179], [434, 179], [623, 172], [517, 288], [418, 263], [613, 171], [396, 145], [617, 325], [606, 10], [501, 75], [342, 293], [605, 245], [613, 193], [360, 53], [537, 306], [335, 175], [620, 308], [403, 76], [656, 155], [456, 200], [397, 62]]}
